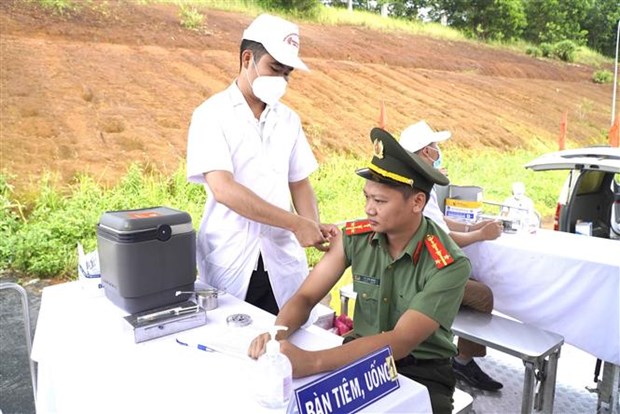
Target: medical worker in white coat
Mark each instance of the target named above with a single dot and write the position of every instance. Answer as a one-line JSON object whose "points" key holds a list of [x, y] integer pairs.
{"points": [[251, 154]]}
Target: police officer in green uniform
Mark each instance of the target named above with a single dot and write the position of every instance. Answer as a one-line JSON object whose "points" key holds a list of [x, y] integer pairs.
{"points": [[408, 274]]}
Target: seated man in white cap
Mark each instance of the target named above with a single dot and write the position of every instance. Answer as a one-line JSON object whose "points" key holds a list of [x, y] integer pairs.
{"points": [[420, 139], [251, 154]]}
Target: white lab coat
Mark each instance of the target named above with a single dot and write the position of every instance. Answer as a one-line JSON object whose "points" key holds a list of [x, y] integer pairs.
{"points": [[432, 211], [264, 156]]}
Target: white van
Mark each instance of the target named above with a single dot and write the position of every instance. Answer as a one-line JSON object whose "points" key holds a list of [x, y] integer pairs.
{"points": [[591, 192]]}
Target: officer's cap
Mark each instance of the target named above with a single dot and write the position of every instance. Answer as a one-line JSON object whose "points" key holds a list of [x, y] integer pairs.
{"points": [[391, 163]]}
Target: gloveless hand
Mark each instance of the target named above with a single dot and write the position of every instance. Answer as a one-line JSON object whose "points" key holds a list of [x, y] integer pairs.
{"points": [[308, 233], [329, 231], [491, 230], [257, 347]]}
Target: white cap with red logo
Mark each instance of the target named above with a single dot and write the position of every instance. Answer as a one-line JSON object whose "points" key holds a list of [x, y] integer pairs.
{"points": [[280, 37], [419, 135]]}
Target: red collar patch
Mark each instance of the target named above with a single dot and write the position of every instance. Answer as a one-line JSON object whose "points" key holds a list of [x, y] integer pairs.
{"points": [[438, 252], [416, 253], [357, 227]]}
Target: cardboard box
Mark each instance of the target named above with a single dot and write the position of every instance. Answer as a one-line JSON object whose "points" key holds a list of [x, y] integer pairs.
{"points": [[462, 210]]}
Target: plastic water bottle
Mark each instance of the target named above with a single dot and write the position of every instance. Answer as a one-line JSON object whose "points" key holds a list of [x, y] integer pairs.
{"points": [[274, 374], [89, 275]]}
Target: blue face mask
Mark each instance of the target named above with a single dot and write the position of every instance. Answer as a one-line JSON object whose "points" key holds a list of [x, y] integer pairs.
{"points": [[437, 162]]}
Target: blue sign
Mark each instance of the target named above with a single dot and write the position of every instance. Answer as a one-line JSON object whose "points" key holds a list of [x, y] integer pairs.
{"points": [[352, 387]]}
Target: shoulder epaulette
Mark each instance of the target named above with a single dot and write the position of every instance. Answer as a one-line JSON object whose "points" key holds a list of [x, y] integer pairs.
{"points": [[357, 227], [438, 251]]}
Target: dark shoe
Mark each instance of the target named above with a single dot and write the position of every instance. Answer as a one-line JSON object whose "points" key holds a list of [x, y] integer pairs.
{"points": [[472, 373]]}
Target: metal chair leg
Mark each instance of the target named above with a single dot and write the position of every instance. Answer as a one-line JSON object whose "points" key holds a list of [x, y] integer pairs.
{"points": [[550, 380], [608, 388], [344, 305], [529, 382], [26, 314]]}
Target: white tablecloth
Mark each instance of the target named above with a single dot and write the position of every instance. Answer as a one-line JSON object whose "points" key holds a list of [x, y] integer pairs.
{"points": [[88, 362], [561, 282]]}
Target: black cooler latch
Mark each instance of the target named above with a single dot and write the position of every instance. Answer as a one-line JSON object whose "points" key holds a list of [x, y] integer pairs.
{"points": [[164, 232]]}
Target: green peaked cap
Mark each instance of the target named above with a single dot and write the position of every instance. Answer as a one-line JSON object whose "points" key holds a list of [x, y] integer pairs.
{"points": [[391, 163]]}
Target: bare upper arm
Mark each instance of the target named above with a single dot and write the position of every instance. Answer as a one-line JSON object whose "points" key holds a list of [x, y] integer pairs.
{"points": [[299, 185], [219, 181], [326, 273]]}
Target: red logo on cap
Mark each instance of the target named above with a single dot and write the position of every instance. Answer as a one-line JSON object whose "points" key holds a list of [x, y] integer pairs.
{"points": [[292, 39]]}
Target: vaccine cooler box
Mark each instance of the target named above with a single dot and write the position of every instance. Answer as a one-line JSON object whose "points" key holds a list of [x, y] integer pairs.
{"points": [[145, 256]]}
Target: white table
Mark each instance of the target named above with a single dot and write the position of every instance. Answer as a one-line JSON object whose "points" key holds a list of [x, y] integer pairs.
{"points": [[88, 362], [561, 282]]}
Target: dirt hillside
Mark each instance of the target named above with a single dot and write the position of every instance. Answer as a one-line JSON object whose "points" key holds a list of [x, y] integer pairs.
{"points": [[93, 90]]}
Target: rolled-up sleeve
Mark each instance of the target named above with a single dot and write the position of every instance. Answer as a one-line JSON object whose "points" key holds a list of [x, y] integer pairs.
{"points": [[302, 162], [207, 146]]}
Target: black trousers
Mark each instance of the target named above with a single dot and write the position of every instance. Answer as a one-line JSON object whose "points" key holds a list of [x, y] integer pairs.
{"points": [[260, 293], [435, 374], [438, 377]]}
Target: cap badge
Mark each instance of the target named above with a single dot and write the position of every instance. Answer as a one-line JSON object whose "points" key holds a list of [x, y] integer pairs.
{"points": [[377, 147], [292, 39]]}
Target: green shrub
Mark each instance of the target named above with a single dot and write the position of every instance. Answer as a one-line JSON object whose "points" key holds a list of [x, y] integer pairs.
{"points": [[602, 76], [338, 192], [10, 215], [58, 6], [42, 243], [546, 49], [191, 18], [495, 171], [565, 50], [303, 8], [533, 51]]}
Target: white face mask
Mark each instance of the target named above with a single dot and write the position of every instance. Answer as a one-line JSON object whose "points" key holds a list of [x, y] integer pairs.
{"points": [[268, 89]]}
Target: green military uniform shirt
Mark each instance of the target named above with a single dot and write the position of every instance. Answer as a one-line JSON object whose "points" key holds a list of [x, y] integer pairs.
{"points": [[387, 287]]}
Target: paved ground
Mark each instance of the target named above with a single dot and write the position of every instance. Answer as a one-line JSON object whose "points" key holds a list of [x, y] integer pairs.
{"points": [[575, 371], [16, 395]]}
